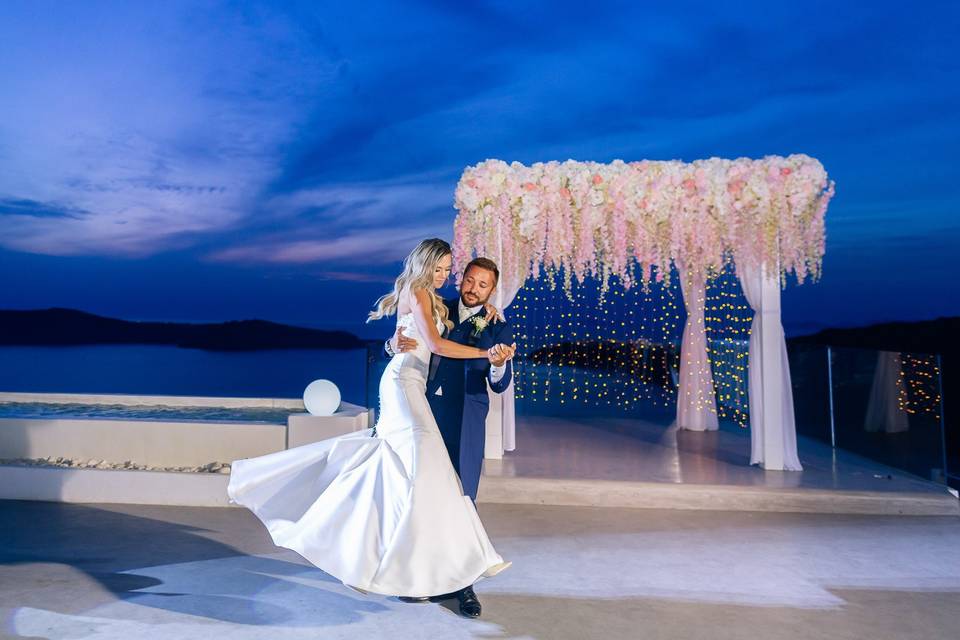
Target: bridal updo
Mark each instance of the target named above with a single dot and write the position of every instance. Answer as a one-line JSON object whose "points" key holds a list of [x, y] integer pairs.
{"points": [[418, 268]]}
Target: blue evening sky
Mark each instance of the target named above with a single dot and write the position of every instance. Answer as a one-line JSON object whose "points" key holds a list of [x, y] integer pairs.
{"points": [[207, 161]]}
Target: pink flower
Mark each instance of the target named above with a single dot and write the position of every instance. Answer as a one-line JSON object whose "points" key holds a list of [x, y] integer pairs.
{"points": [[636, 219]]}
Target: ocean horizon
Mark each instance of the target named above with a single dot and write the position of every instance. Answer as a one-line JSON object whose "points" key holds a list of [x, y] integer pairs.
{"points": [[171, 370]]}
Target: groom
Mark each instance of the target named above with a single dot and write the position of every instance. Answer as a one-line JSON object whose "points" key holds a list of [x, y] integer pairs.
{"points": [[457, 389]]}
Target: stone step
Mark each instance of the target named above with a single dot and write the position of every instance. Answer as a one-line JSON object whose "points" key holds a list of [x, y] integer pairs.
{"points": [[664, 495], [210, 490]]}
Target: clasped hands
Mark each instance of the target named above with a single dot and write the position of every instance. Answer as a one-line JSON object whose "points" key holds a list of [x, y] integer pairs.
{"points": [[499, 354]]}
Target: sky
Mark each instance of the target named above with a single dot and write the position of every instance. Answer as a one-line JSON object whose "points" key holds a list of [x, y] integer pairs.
{"points": [[212, 161]]}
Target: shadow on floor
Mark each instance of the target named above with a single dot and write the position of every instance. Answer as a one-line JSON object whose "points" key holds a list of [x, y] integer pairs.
{"points": [[164, 564]]}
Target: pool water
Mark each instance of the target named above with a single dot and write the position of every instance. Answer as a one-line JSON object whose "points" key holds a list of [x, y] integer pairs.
{"points": [[40, 410]]}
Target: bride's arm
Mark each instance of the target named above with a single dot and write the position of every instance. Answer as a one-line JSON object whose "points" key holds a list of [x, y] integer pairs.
{"points": [[423, 316]]}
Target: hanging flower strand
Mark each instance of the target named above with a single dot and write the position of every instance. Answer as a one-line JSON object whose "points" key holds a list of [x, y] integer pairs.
{"points": [[591, 219]]}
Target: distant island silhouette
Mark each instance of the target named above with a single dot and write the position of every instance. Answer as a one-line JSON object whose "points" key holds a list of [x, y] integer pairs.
{"points": [[60, 327], [919, 336], [924, 336]]}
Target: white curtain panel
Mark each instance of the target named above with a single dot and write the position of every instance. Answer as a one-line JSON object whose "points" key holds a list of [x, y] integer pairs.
{"points": [[883, 407], [507, 290], [772, 426], [696, 400]]}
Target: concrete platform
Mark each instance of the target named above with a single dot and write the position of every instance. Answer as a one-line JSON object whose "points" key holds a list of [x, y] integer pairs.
{"points": [[149, 442], [619, 462], [111, 572], [112, 486], [614, 463]]}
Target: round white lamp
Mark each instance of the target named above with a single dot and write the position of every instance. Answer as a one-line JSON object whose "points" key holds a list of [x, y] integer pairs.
{"points": [[321, 398]]}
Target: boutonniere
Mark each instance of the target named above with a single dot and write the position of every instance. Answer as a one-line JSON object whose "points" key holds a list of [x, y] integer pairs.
{"points": [[479, 324]]}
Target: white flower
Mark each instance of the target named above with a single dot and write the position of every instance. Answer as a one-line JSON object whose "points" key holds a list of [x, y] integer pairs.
{"points": [[470, 199]]}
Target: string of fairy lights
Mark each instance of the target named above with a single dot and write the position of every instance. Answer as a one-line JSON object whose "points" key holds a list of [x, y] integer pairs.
{"points": [[727, 320], [605, 345], [614, 347], [918, 385]]}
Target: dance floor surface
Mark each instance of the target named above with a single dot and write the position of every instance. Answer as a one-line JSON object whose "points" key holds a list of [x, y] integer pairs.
{"points": [[73, 571]]}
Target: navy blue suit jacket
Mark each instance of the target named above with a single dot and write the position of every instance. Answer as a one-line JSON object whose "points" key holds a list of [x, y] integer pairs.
{"points": [[461, 409]]}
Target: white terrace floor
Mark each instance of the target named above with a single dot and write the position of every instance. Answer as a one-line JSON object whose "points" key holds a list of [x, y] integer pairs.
{"points": [[634, 463], [70, 571]]}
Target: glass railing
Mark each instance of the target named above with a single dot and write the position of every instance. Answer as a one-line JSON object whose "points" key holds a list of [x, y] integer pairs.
{"points": [[886, 406], [810, 377]]}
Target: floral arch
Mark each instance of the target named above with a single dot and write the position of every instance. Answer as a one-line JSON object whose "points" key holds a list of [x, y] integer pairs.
{"points": [[636, 221]]}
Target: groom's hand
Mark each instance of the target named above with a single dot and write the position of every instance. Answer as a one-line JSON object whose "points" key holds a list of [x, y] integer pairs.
{"points": [[401, 343], [501, 353]]}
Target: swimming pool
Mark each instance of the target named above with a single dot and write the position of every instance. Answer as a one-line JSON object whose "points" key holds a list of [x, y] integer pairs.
{"points": [[58, 410]]}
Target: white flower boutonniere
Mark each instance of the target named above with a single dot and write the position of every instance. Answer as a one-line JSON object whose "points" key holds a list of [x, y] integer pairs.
{"points": [[479, 324]]}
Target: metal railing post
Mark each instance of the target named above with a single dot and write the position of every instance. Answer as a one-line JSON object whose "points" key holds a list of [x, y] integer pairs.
{"points": [[833, 432], [943, 421]]}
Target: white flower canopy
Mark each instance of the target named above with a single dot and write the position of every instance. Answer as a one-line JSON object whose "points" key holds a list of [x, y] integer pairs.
{"points": [[636, 221]]}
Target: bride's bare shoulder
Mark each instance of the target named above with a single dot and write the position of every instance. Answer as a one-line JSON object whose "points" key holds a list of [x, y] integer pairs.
{"points": [[412, 299], [406, 301]]}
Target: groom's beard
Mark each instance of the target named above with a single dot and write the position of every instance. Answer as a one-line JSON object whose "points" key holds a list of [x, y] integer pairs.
{"points": [[473, 301]]}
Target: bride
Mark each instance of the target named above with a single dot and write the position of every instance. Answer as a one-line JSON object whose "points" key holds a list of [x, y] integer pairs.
{"points": [[382, 510]]}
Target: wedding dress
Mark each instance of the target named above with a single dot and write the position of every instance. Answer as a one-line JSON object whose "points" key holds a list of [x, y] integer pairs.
{"points": [[381, 510]]}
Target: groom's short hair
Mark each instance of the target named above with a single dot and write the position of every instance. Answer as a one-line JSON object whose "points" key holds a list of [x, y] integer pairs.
{"points": [[484, 263]]}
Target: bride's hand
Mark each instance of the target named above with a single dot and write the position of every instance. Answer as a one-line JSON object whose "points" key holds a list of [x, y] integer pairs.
{"points": [[493, 314], [499, 354]]}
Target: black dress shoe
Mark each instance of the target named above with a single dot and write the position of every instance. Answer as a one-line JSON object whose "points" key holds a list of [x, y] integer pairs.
{"points": [[469, 604], [411, 599]]}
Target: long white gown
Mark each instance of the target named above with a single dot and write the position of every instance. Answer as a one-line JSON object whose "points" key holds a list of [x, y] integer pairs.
{"points": [[383, 513]]}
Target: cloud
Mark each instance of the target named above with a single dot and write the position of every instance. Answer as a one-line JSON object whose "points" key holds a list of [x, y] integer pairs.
{"points": [[162, 128], [34, 209], [344, 206], [372, 247], [366, 223], [354, 276]]}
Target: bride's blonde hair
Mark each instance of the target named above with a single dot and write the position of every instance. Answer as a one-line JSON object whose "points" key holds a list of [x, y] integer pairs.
{"points": [[418, 269]]}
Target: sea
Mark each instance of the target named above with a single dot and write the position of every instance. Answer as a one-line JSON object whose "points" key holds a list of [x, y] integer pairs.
{"points": [[170, 370]]}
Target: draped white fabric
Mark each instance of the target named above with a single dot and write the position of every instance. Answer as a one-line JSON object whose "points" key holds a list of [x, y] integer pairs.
{"points": [[883, 407], [696, 401], [502, 414], [773, 433]]}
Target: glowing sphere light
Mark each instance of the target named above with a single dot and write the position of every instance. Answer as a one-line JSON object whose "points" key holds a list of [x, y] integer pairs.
{"points": [[321, 398]]}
